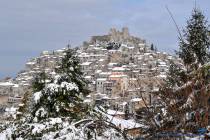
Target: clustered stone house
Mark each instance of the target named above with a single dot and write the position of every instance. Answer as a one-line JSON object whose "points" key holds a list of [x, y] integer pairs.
{"points": [[121, 70]]}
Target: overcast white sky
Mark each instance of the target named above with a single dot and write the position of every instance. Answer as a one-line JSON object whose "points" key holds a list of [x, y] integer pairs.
{"points": [[29, 27]]}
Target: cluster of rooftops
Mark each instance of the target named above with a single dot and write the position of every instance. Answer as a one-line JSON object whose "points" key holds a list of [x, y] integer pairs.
{"points": [[117, 75]]}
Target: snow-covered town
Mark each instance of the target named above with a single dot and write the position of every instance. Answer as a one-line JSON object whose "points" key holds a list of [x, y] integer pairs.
{"points": [[116, 85], [119, 67], [121, 70]]}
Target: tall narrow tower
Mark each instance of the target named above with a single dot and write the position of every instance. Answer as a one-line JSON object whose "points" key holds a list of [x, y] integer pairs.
{"points": [[125, 32]]}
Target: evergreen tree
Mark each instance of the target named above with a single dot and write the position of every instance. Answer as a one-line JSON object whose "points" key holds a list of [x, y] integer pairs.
{"points": [[126, 112], [194, 46], [39, 82], [152, 47], [63, 97], [71, 69], [183, 92], [176, 76]]}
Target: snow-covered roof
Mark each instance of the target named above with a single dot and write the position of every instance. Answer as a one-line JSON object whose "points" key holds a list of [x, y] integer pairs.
{"points": [[140, 57], [124, 103], [101, 79], [84, 55], [125, 124], [59, 50], [11, 109], [106, 98], [45, 52], [112, 64], [114, 112], [31, 63], [117, 76], [122, 123], [87, 101], [141, 44], [105, 73], [87, 77], [89, 96], [155, 89], [124, 45], [118, 69], [99, 55], [53, 73], [131, 47], [162, 76], [101, 60], [6, 84], [162, 63], [170, 57], [98, 71], [132, 79], [86, 64], [147, 53], [136, 100], [97, 48], [15, 85], [113, 51], [21, 105]]}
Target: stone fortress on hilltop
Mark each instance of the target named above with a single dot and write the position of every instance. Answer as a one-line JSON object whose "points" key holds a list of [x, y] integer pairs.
{"points": [[117, 36], [121, 70]]}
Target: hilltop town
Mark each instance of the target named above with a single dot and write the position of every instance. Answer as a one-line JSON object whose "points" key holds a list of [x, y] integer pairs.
{"points": [[121, 70], [113, 86]]}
